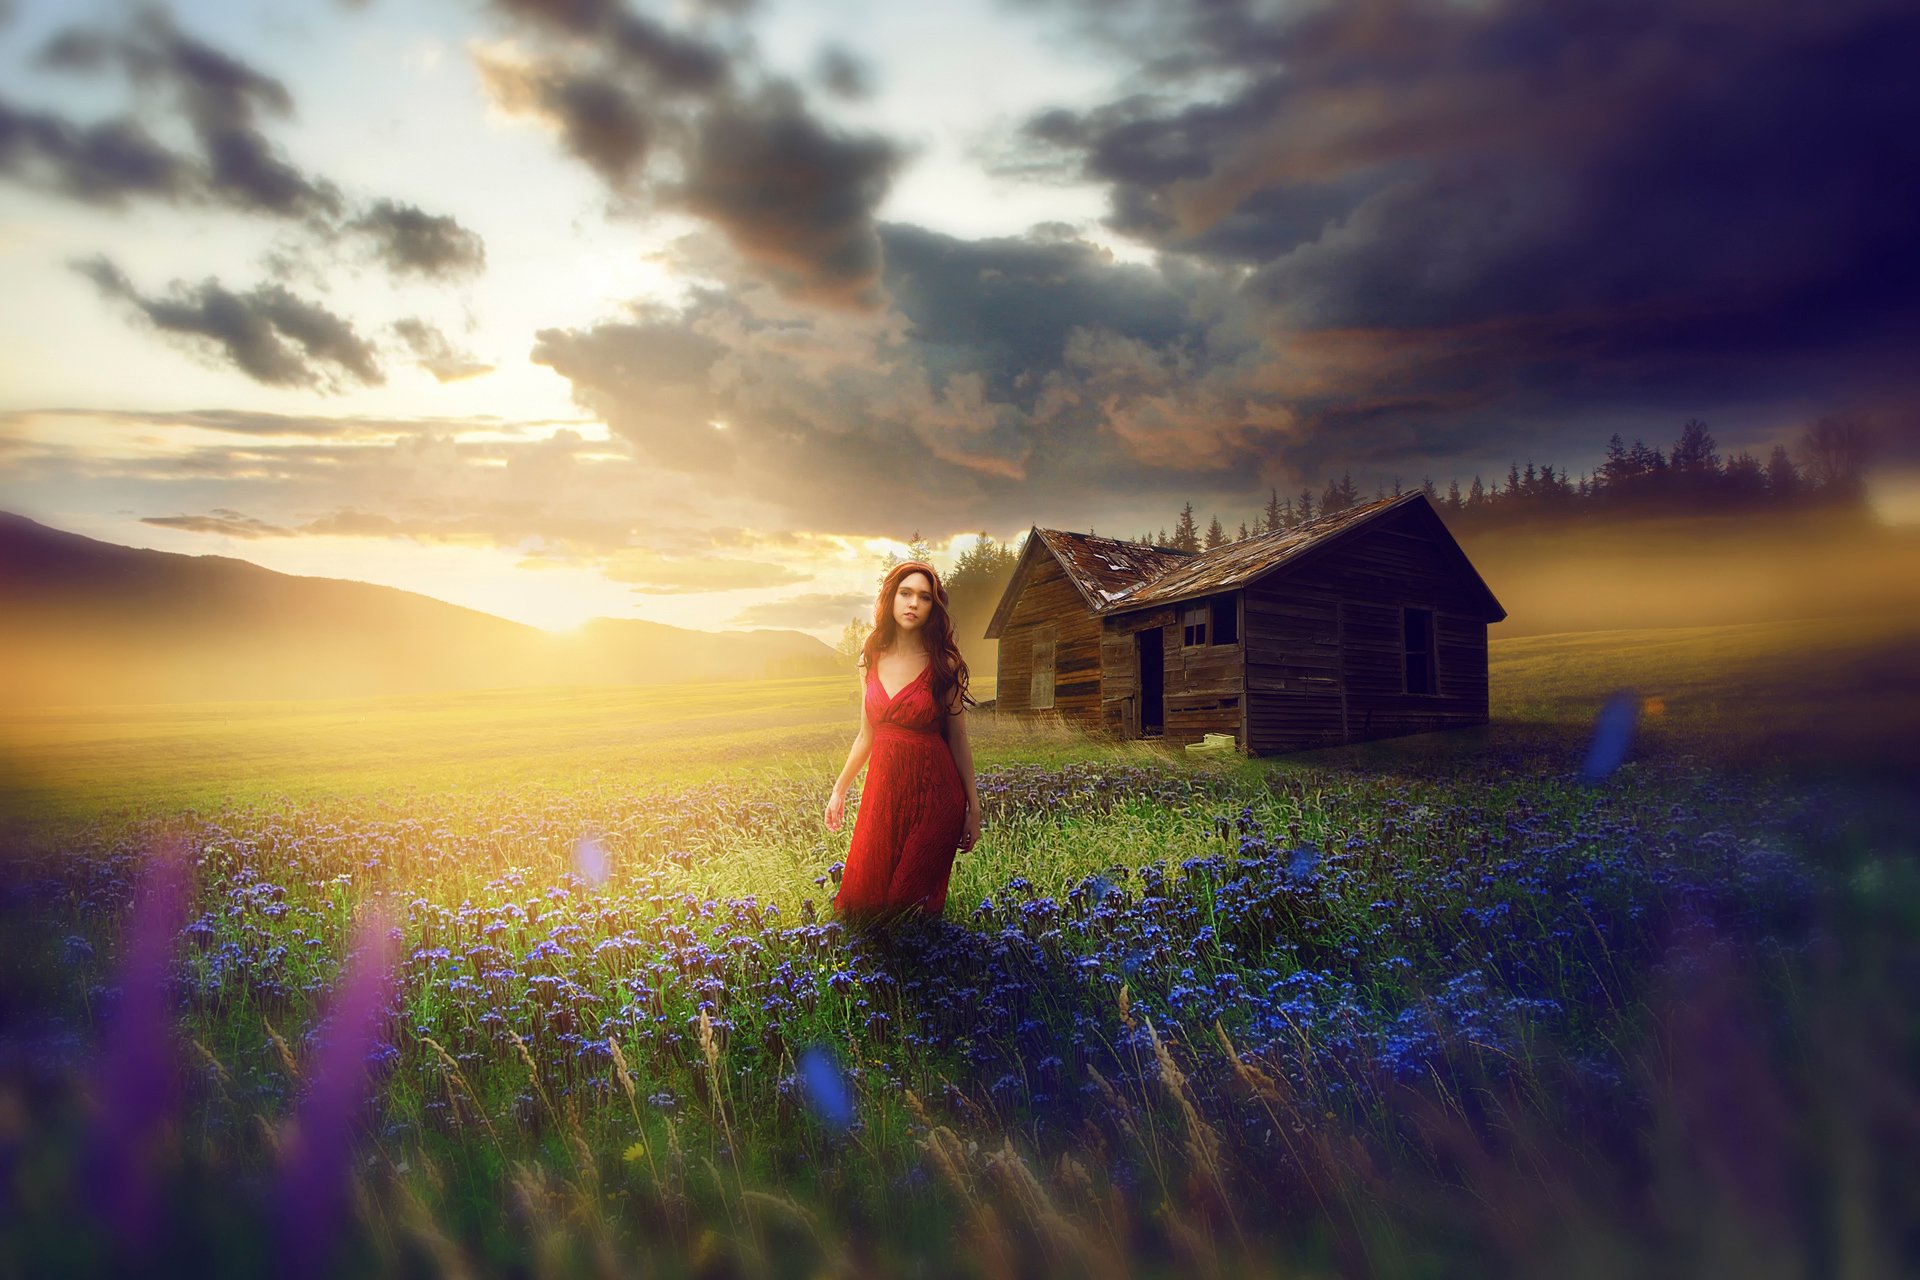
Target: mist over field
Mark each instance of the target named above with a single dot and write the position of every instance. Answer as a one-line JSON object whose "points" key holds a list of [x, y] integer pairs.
{"points": [[1704, 571]]}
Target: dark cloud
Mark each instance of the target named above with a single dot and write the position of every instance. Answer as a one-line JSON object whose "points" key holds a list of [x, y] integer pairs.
{"points": [[744, 150], [810, 610], [1005, 307], [1464, 220], [267, 333], [651, 380], [675, 63], [793, 195], [224, 104], [98, 164], [437, 355], [412, 241], [844, 75], [221, 521], [602, 121], [222, 98], [671, 62]]}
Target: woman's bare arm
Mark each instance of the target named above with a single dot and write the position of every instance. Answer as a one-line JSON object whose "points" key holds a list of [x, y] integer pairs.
{"points": [[856, 757], [856, 760], [962, 747]]}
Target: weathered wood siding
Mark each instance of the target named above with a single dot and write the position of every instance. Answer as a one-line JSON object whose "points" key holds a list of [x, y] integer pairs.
{"points": [[1204, 686], [1324, 642], [1296, 699], [1049, 600]]}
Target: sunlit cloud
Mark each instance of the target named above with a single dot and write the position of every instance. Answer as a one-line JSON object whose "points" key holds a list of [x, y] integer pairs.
{"points": [[808, 611], [653, 574]]}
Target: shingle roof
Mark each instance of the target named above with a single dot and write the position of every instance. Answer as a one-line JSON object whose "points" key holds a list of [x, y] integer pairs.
{"points": [[1236, 562], [1116, 577], [1106, 568]]}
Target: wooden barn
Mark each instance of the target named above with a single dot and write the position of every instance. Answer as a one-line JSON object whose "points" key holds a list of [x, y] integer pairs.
{"points": [[1367, 623]]}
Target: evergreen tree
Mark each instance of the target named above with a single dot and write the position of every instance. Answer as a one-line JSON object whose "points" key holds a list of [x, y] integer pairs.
{"points": [[1453, 495], [1186, 534], [1306, 505], [1477, 496], [1426, 487], [1513, 481], [1693, 452], [1275, 520], [918, 548], [1616, 469], [1744, 478], [985, 559], [974, 586], [1288, 516], [1339, 495], [1216, 536], [1645, 461], [1245, 533]]}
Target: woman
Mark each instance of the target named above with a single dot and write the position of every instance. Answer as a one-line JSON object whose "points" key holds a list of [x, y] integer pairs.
{"points": [[920, 804]]}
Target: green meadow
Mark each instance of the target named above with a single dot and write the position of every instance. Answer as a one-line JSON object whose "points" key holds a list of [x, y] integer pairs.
{"points": [[1417, 1007], [1843, 687]]}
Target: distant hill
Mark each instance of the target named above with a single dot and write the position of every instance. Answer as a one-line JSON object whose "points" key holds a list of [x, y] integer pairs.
{"points": [[94, 622]]}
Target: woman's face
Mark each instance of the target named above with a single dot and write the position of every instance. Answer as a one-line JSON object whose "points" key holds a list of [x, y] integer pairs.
{"points": [[912, 602]]}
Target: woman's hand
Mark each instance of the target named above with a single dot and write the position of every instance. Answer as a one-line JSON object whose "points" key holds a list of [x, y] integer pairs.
{"points": [[836, 809], [970, 833]]}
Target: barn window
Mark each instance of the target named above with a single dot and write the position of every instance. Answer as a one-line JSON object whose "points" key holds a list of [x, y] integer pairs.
{"points": [[1417, 643], [1226, 620], [1040, 688], [1193, 621]]}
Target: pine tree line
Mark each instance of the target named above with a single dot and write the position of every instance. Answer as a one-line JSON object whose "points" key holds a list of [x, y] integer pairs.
{"points": [[1691, 478]]}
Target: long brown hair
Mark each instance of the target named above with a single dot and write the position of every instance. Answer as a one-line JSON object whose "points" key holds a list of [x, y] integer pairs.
{"points": [[949, 668]]}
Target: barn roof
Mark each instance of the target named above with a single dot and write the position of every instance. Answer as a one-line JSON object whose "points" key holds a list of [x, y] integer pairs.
{"points": [[1117, 577]]}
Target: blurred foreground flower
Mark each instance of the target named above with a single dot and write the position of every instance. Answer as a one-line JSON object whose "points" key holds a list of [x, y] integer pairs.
{"points": [[826, 1088], [137, 1081], [1612, 731], [590, 860], [317, 1157]]}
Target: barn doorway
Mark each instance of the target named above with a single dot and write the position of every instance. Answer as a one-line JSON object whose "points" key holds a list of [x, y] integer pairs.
{"points": [[1151, 649]]}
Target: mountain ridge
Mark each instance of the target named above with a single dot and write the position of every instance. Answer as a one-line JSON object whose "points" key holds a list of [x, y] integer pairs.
{"points": [[90, 621]]}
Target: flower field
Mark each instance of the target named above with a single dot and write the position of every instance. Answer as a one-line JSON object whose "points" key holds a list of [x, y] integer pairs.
{"points": [[1467, 1006]]}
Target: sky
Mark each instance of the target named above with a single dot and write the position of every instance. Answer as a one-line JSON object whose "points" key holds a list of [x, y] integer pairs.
{"points": [[694, 311]]}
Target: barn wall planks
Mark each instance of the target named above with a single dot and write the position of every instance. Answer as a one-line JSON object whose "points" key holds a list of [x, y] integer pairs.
{"points": [[1326, 656], [1203, 686], [1206, 686], [1049, 599], [1293, 670]]}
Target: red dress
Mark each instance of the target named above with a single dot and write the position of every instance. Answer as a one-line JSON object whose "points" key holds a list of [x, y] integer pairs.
{"points": [[913, 808]]}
